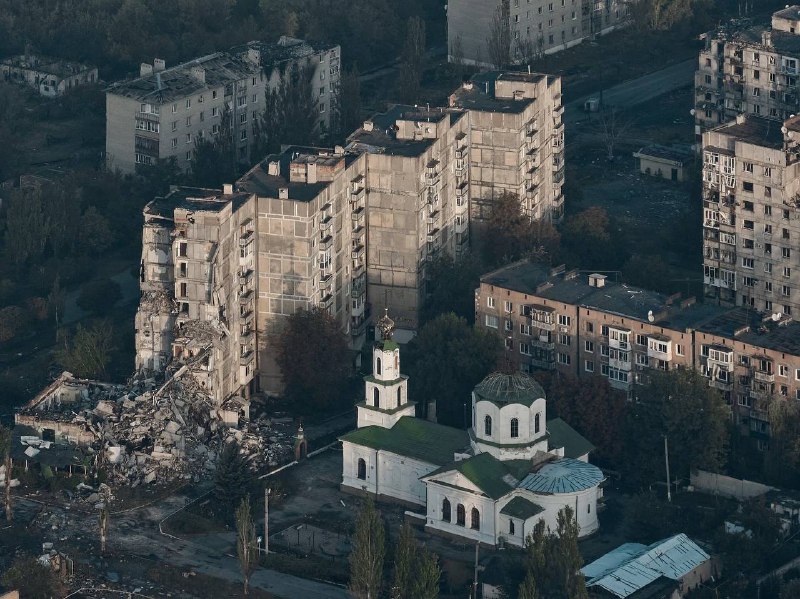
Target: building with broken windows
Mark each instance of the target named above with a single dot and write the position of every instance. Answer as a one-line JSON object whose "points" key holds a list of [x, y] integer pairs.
{"points": [[49, 76], [748, 69], [166, 110], [588, 325], [751, 219]]}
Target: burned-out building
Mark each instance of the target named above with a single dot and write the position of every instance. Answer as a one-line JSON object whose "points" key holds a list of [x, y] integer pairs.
{"points": [[48, 75]]}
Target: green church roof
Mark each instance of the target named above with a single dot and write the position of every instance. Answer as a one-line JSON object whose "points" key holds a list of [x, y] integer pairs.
{"points": [[414, 438], [521, 508], [503, 388], [563, 435]]}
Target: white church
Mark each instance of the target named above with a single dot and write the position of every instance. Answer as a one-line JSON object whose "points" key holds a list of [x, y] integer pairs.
{"points": [[490, 484]]}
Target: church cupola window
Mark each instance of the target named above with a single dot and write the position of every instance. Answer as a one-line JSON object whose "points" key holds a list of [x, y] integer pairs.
{"points": [[536, 423], [515, 428], [461, 515], [362, 469], [378, 368], [487, 426], [399, 396], [475, 519], [446, 510], [376, 397]]}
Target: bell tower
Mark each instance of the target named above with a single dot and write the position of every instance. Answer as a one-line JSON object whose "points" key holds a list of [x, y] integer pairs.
{"points": [[385, 390]]}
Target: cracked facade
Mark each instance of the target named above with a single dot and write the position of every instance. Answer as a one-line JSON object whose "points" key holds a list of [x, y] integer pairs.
{"points": [[340, 228]]}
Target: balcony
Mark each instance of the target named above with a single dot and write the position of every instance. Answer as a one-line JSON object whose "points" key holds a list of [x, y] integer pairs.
{"points": [[544, 364], [619, 364], [721, 385], [246, 335], [659, 347], [358, 269], [326, 302], [433, 216], [621, 385], [325, 282], [357, 252], [326, 224], [359, 286], [558, 176], [461, 152], [245, 297], [326, 243], [356, 330], [246, 260], [761, 394], [461, 225], [763, 376], [358, 215], [246, 238], [433, 235], [544, 344], [247, 357], [245, 276], [432, 178]]}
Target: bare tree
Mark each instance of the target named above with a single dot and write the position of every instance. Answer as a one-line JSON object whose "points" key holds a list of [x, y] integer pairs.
{"points": [[498, 44], [457, 54], [613, 127], [5, 448], [246, 547], [104, 516]]}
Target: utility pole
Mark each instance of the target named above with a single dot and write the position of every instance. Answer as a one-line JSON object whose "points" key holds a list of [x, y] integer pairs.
{"points": [[266, 520], [475, 575], [666, 461]]}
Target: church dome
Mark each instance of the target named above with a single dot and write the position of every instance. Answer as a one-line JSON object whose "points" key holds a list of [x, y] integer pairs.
{"points": [[515, 388]]}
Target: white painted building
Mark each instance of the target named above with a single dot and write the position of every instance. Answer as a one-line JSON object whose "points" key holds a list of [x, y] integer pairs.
{"points": [[490, 484]]}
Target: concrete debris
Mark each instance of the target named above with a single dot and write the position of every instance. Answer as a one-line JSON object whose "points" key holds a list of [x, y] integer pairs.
{"points": [[143, 433]]}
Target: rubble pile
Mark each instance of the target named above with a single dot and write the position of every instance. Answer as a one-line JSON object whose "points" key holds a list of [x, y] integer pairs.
{"points": [[143, 434]]}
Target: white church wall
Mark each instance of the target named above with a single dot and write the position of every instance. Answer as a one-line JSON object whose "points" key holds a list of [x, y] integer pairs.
{"points": [[484, 505], [386, 364], [399, 476], [501, 428], [350, 455], [584, 504]]}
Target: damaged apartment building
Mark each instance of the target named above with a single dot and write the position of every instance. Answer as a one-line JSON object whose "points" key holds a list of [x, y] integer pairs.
{"points": [[749, 69], [165, 111], [343, 229]]}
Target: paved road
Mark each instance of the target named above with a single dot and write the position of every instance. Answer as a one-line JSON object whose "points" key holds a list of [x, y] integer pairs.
{"points": [[637, 91]]}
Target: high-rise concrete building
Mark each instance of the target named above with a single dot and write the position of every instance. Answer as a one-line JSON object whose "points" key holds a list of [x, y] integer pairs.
{"points": [[532, 28], [751, 214], [165, 111], [516, 142], [746, 69], [344, 228]]}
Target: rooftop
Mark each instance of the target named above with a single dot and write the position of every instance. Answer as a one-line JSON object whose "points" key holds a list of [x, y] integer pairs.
{"points": [[47, 64], [671, 153], [178, 82], [632, 566], [414, 438], [502, 388], [754, 130], [744, 325], [521, 508], [574, 288], [564, 475], [563, 435], [273, 54], [193, 198], [791, 13], [479, 93]]}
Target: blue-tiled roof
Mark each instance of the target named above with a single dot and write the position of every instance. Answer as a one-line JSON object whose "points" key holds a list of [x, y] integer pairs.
{"points": [[563, 476], [631, 567]]}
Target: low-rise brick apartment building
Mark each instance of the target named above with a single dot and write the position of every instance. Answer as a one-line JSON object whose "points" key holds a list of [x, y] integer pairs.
{"points": [[751, 214], [162, 113], [49, 76], [749, 69], [534, 28], [583, 324]]}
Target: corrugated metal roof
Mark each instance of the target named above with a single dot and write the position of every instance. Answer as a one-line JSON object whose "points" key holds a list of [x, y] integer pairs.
{"points": [[631, 567], [563, 476]]}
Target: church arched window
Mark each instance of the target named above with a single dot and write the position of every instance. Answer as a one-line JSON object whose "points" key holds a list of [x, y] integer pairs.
{"points": [[475, 519], [446, 510], [461, 515], [376, 397], [378, 365], [487, 426], [536, 423], [514, 428], [511, 526], [362, 469], [399, 396]]}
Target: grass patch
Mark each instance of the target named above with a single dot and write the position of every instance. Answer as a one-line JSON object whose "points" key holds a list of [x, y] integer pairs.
{"points": [[197, 519], [200, 585], [315, 567]]}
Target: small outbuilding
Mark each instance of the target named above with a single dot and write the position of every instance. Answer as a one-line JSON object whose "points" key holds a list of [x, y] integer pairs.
{"points": [[663, 161]]}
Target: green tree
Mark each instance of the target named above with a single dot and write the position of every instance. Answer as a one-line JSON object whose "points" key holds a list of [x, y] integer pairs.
{"points": [[782, 459], [30, 578], [791, 589], [366, 558], [404, 557], [231, 479], [26, 229], [5, 453], [446, 360], [314, 358], [99, 296], [426, 576], [587, 240], [680, 405], [451, 287], [246, 548], [89, 352], [214, 158], [567, 562], [291, 114], [347, 111], [13, 319], [528, 588], [412, 61], [94, 233]]}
